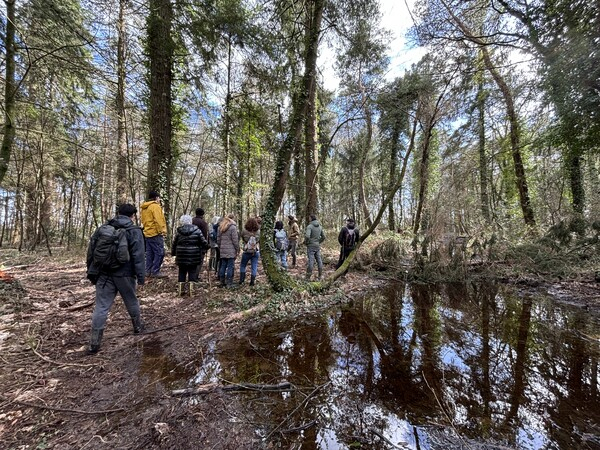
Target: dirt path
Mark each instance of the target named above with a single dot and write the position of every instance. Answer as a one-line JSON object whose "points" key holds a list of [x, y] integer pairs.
{"points": [[54, 395]]}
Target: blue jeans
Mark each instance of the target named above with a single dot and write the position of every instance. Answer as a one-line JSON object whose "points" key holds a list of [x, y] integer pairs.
{"points": [[226, 269], [253, 258], [281, 256], [314, 253], [155, 253], [107, 288]]}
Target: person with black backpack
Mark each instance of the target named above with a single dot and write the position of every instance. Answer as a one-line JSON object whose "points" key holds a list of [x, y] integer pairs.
{"points": [[348, 238], [115, 260]]}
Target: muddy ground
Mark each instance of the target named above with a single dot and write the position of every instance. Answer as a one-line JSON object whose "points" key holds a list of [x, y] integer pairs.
{"points": [[54, 395]]}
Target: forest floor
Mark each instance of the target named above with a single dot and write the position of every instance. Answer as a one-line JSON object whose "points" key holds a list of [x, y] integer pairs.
{"points": [[54, 395]]}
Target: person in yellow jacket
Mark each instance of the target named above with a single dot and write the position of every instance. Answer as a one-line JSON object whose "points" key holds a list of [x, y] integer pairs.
{"points": [[154, 226]]}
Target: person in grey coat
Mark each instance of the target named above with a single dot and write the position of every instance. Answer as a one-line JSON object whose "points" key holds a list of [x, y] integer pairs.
{"points": [[228, 240], [120, 280], [313, 237]]}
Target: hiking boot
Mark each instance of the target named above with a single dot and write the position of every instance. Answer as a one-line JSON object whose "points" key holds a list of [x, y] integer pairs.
{"points": [[221, 281], [138, 325], [159, 275], [242, 277], [95, 340], [252, 279]]}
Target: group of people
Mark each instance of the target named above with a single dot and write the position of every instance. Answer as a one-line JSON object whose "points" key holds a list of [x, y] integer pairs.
{"points": [[121, 253]]}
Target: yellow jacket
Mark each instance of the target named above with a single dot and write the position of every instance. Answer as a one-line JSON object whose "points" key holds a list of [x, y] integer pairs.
{"points": [[153, 219]]}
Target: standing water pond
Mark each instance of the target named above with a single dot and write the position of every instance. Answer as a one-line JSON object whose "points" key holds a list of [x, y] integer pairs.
{"points": [[420, 367]]}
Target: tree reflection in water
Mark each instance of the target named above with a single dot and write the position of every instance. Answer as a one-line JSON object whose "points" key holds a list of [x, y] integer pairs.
{"points": [[404, 362]]}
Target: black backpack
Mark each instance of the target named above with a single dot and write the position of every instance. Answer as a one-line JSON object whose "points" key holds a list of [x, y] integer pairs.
{"points": [[350, 241], [112, 249]]}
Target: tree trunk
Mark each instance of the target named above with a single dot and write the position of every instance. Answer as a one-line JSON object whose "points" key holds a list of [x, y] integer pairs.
{"points": [[423, 176], [227, 133], [310, 122], [483, 164], [9, 90], [576, 183], [160, 52], [515, 140], [362, 198], [393, 168], [280, 280], [515, 134], [121, 184]]}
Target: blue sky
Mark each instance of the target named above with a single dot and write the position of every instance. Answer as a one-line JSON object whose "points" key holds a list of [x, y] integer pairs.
{"points": [[397, 20]]}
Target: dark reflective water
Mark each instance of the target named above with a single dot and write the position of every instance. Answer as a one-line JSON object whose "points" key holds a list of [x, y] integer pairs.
{"points": [[424, 367]]}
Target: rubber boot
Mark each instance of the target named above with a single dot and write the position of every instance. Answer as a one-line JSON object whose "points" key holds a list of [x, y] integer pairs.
{"points": [[192, 285], [252, 279], [180, 288], [95, 340], [242, 277], [138, 325]]}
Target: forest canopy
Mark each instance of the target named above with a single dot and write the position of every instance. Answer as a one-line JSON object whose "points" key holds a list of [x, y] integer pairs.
{"points": [[222, 104]]}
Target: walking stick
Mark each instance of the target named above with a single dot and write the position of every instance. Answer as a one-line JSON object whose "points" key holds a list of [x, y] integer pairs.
{"points": [[210, 259]]}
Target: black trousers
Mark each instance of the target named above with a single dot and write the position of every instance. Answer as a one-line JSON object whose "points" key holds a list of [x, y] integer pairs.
{"points": [[189, 272]]}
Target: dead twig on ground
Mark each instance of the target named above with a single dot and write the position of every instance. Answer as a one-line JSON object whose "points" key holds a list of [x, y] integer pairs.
{"points": [[302, 427], [80, 307], [58, 363], [386, 440]]}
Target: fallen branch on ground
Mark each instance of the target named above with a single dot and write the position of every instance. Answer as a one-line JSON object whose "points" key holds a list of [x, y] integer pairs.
{"points": [[157, 330], [241, 387], [56, 408]]}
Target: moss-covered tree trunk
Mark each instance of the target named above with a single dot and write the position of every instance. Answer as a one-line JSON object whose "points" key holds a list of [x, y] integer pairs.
{"points": [[279, 279], [9, 89]]}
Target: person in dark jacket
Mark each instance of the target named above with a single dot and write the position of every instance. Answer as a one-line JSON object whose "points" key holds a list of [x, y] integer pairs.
{"points": [[188, 244], [121, 280], [203, 225], [213, 259], [228, 240], [348, 238]]}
